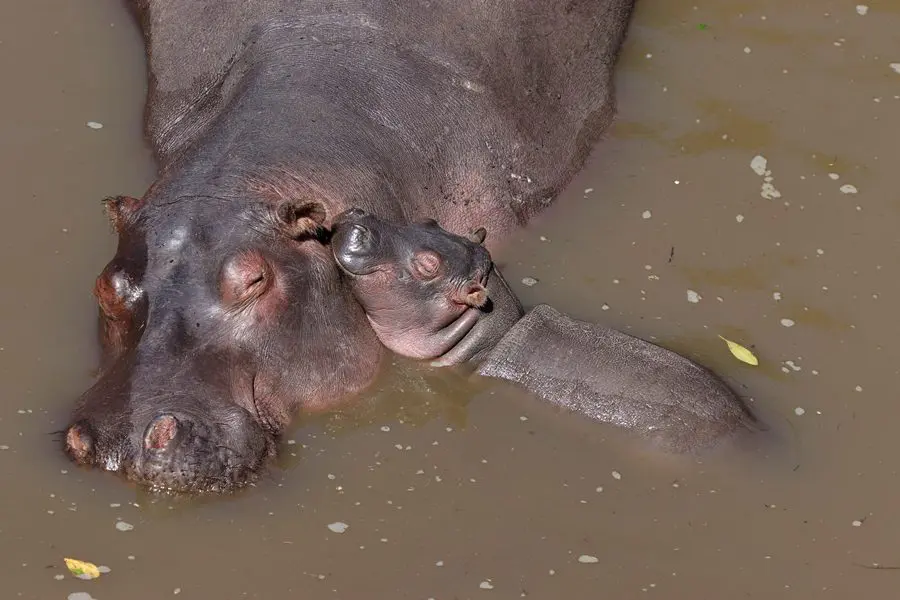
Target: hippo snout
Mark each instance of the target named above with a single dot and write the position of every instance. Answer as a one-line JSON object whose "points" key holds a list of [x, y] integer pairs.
{"points": [[185, 454]]}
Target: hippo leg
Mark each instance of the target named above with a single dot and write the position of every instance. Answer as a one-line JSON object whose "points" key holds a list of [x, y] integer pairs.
{"points": [[618, 379]]}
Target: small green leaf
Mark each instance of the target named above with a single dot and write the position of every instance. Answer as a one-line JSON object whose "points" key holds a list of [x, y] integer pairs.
{"points": [[741, 353], [702, 26]]}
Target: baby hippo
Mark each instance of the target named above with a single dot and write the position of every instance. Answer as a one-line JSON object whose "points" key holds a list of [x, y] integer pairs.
{"points": [[428, 294], [423, 288]]}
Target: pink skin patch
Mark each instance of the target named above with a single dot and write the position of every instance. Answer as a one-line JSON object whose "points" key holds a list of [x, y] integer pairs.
{"points": [[162, 432]]}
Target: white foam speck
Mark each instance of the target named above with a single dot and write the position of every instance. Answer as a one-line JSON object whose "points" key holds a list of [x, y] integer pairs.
{"points": [[799, 411], [758, 164], [587, 559], [338, 527], [646, 214], [123, 526], [862, 10], [486, 585], [895, 67], [94, 125], [693, 297], [848, 189], [787, 322]]}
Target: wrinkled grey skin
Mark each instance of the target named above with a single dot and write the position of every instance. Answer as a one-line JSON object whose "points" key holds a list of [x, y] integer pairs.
{"points": [[606, 375], [611, 377], [222, 313]]}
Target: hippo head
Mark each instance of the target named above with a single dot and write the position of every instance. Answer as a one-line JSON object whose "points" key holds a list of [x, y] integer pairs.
{"points": [[420, 285], [218, 318]]}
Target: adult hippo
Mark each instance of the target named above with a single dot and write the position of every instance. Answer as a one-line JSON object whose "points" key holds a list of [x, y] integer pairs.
{"points": [[222, 313]]}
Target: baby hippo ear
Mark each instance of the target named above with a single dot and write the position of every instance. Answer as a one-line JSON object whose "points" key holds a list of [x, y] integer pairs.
{"points": [[477, 235], [473, 294], [301, 219]]}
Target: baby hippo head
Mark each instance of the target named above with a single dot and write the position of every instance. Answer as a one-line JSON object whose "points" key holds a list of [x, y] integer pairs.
{"points": [[420, 285]]}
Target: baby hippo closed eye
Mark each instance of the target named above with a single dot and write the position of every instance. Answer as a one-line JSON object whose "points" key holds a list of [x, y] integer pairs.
{"points": [[421, 286]]}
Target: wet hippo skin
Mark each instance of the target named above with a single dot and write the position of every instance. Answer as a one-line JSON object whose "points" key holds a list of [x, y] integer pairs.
{"points": [[222, 312], [608, 376], [429, 294]]}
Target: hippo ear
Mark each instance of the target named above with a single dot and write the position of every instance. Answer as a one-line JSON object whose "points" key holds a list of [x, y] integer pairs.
{"points": [[160, 433], [477, 235], [79, 444], [425, 264], [473, 294], [120, 210], [301, 219]]}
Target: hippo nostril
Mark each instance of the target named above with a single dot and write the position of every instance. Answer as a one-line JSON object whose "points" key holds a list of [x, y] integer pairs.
{"points": [[160, 432]]}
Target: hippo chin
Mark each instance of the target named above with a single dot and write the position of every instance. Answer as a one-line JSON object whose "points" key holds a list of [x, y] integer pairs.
{"points": [[222, 312], [595, 371]]}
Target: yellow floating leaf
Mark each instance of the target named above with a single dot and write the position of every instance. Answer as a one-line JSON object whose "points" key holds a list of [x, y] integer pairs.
{"points": [[82, 569], [741, 353]]}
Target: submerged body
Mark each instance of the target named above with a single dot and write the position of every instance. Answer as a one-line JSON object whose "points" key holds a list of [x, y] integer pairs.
{"points": [[595, 371], [222, 311]]}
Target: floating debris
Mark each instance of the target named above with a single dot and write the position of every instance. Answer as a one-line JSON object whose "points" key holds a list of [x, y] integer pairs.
{"points": [[787, 322], [338, 527], [123, 526], [486, 585], [759, 164], [587, 559], [848, 189], [529, 281], [82, 569], [799, 411], [94, 125], [862, 10], [740, 353], [646, 214], [693, 297]]}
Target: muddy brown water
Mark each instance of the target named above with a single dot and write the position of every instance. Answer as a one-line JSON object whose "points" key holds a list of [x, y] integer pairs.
{"points": [[454, 490]]}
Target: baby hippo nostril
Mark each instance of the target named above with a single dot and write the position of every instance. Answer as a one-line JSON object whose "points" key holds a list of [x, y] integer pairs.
{"points": [[160, 432]]}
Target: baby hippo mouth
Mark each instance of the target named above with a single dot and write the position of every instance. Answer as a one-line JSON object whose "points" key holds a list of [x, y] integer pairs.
{"points": [[423, 288]]}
